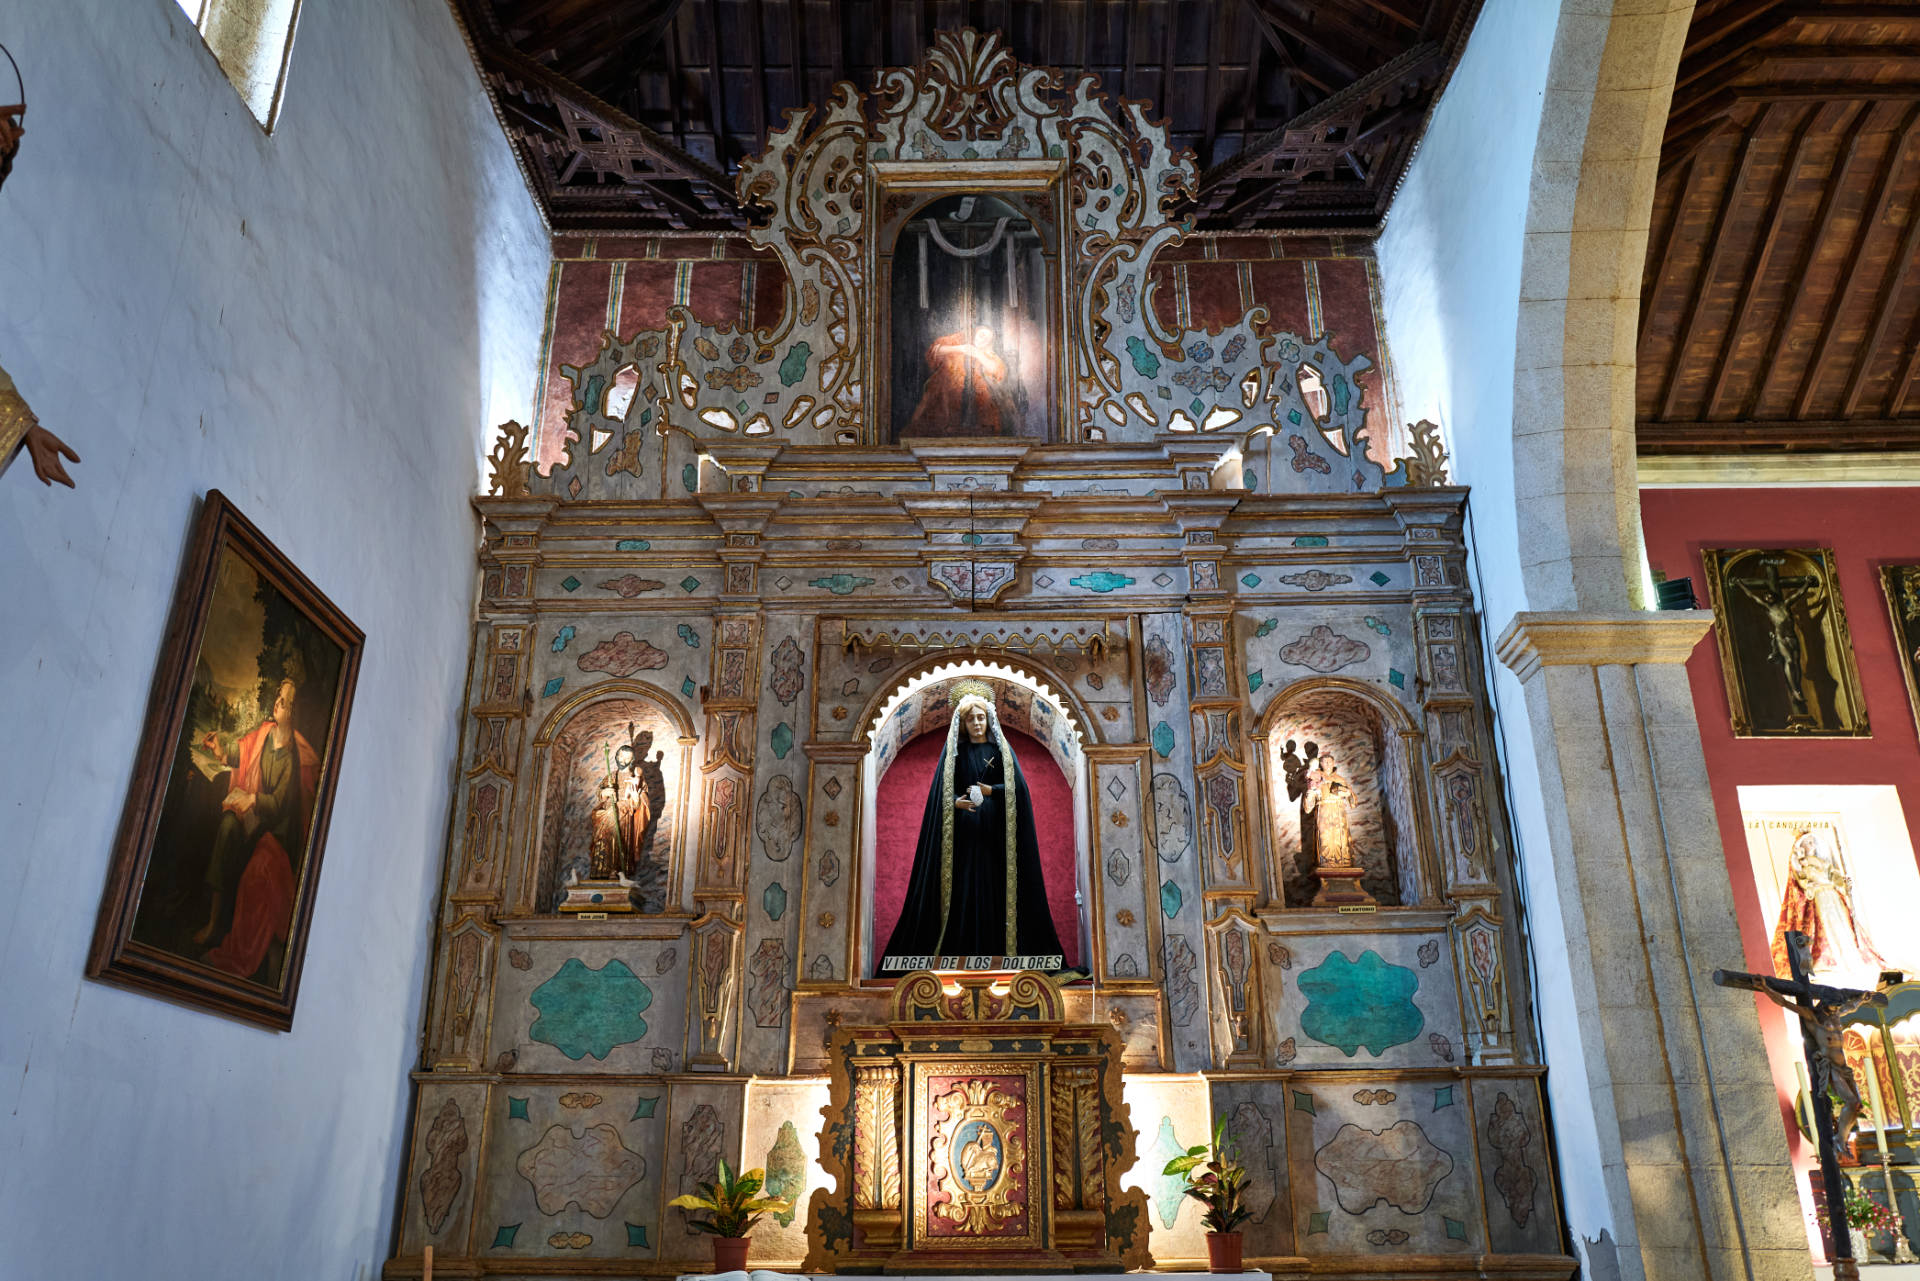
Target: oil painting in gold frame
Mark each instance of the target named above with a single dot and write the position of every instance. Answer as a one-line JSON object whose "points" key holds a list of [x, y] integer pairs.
{"points": [[1785, 652]]}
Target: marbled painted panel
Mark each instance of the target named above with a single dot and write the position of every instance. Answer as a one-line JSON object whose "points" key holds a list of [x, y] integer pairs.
{"points": [[529, 966], [1364, 1003]]}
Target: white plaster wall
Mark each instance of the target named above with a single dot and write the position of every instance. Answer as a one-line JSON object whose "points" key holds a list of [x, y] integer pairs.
{"points": [[1450, 258], [319, 323]]}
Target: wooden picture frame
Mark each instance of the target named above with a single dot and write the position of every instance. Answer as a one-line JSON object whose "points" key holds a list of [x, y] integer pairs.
{"points": [[1785, 652], [1901, 586], [209, 896]]}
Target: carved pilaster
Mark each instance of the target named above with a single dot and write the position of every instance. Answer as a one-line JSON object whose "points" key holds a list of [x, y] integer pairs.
{"points": [[713, 1005], [876, 1154], [1235, 945]]}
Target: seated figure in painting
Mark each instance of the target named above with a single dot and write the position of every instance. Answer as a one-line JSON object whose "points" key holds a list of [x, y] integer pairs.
{"points": [[966, 392], [976, 888], [1819, 903], [262, 834]]}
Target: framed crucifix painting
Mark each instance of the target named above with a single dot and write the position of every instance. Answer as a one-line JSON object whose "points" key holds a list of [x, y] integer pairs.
{"points": [[210, 894], [1785, 651], [1901, 583]]}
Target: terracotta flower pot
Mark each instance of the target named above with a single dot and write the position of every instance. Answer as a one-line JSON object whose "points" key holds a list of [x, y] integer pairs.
{"points": [[730, 1254], [1223, 1252]]}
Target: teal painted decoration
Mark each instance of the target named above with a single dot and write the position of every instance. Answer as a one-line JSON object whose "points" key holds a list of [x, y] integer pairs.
{"points": [[552, 687], [1293, 416], [687, 687], [632, 545], [504, 1234], [973, 540], [1317, 1222], [1303, 1102], [1145, 363], [781, 740], [1266, 627], [774, 901], [841, 584], [1255, 679], [637, 1237], [686, 633], [643, 1107], [589, 1012], [1170, 899], [1456, 1230], [1378, 579], [1396, 678], [516, 1109], [1369, 1002], [690, 478], [1342, 394], [1166, 1191], [1198, 407], [1250, 580], [1163, 740], [1442, 1097], [1377, 625], [794, 366], [1310, 540], [1101, 580], [562, 638], [689, 583], [571, 583]]}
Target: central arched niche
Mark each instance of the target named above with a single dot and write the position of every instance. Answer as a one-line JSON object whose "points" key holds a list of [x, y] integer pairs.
{"points": [[1311, 719], [906, 745]]}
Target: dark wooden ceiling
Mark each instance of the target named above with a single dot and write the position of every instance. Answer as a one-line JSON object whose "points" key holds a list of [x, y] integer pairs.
{"points": [[631, 114], [1780, 309]]}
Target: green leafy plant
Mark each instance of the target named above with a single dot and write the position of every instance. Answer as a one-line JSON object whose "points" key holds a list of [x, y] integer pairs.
{"points": [[731, 1203], [1214, 1179]]}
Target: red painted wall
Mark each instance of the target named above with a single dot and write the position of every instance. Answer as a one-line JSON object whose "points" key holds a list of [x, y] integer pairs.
{"points": [[1865, 528]]}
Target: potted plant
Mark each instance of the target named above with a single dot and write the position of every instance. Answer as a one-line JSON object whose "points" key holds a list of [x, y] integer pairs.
{"points": [[1217, 1181], [1865, 1218], [733, 1209]]}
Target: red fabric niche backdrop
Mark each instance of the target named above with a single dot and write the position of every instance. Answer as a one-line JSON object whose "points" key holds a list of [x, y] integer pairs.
{"points": [[902, 800]]}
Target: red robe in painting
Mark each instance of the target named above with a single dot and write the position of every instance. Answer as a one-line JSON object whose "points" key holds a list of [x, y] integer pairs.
{"points": [[965, 393], [263, 903]]}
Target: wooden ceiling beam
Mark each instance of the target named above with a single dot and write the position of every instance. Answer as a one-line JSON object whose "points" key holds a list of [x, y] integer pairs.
{"points": [[1349, 69], [1897, 272], [756, 46], [1215, 50], [1394, 15], [1166, 61], [1731, 22], [797, 50], [716, 86], [1898, 400], [1883, 192], [1822, 220], [1659, 275], [1773, 436], [1762, 258], [1717, 245]]}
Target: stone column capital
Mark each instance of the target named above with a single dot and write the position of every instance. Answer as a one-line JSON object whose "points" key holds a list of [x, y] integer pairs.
{"points": [[1532, 640]]}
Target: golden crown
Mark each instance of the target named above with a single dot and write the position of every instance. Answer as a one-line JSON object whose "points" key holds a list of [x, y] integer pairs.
{"points": [[970, 689]]}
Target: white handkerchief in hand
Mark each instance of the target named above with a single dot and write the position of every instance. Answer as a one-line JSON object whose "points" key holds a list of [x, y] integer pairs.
{"points": [[976, 795]]}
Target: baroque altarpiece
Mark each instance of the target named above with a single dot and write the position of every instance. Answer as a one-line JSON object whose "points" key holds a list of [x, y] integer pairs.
{"points": [[725, 606]]}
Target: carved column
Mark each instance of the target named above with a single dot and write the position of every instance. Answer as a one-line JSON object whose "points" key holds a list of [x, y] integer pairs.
{"points": [[1079, 1158], [1686, 1117], [876, 1154]]}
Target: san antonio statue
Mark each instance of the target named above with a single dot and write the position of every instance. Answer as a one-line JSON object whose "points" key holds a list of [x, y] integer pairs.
{"points": [[976, 897]]}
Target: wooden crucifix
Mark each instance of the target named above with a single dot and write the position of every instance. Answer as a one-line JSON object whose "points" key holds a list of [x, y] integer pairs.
{"points": [[1820, 1010]]}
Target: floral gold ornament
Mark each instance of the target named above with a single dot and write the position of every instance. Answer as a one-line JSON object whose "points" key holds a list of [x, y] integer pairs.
{"points": [[979, 1157]]}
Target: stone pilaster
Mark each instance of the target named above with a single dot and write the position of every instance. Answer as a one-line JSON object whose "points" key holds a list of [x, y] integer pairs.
{"points": [[1694, 1158]]}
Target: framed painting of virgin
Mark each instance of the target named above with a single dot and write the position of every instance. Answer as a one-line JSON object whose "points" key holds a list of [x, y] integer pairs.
{"points": [[210, 893], [970, 338]]}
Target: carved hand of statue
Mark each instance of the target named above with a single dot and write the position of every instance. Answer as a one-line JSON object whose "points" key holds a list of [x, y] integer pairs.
{"points": [[46, 449]]}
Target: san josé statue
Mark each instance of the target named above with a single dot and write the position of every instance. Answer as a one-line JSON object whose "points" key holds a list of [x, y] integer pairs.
{"points": [[976, 896]]}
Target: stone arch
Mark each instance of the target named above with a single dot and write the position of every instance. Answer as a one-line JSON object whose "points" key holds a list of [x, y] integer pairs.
{"points": [[1381, 747], [566, 753], [1609, 87]]}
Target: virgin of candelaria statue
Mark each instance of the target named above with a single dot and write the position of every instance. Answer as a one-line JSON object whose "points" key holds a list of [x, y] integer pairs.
{"points": [[976, 898]]}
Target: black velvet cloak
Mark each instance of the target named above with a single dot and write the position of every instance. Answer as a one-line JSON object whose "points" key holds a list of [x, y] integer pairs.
{"points": [[978, 918]]}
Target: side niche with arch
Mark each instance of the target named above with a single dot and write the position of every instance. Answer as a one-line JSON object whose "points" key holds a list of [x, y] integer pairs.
{"points": [[912, 729], [578, 749], [1371, 745]]}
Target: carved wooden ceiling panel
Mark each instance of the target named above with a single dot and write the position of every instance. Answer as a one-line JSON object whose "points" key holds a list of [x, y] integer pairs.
{"points": [[636, 114], [1781, 304]]}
